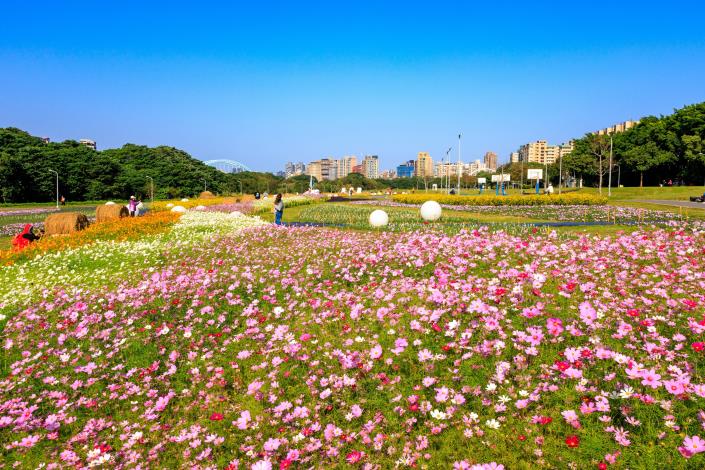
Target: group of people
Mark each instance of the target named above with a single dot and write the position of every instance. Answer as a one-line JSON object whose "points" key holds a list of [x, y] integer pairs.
{"points": [[134, 206]]}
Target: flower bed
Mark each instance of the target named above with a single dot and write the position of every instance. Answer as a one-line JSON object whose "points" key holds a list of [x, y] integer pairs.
{"points": [[514, 200], [572, 213], [303, 348]]}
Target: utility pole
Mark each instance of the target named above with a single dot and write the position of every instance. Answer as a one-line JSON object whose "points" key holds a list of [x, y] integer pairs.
{"points": [[560, 174], [205, 185], [57, 187], [459, 164], [609, 178]]}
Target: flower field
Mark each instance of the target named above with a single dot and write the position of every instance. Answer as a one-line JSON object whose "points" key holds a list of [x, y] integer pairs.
{"points": [[225, 342], [563, 213], [565, 199]]}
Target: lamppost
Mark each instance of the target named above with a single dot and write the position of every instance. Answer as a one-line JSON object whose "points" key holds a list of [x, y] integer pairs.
{"points": [[57, 187], [205, 185], [619, 175], [560, 174], [446, 170], [700, 154], [609, 178], [240, 183], [151, 189], [459, 167]]}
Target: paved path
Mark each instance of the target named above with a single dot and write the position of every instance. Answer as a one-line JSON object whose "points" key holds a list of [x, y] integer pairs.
{"points": [[665, 202]]}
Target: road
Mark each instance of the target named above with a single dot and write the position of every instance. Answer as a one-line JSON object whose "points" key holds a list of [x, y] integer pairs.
{"points": [[666, 202]]}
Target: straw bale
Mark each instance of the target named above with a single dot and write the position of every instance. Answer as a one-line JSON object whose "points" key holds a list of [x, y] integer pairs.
{"points": [[112, 212], [65, 223]]}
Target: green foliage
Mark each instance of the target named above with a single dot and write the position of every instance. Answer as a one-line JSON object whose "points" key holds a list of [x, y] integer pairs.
{"points": [[86, 174], [666, 147]]}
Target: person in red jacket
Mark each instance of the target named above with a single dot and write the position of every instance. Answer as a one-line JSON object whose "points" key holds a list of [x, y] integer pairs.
{"points": [[24, 238]]}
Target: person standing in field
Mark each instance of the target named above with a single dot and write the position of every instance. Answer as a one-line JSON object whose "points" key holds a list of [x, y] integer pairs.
{"points": [[132, 206], [278, 209]]}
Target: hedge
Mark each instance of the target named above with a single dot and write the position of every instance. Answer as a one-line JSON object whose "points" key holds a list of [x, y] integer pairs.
{"points": [[569, 199]]}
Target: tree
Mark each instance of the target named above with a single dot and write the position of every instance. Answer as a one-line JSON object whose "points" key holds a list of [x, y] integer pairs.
{"points": [[646, 157]]}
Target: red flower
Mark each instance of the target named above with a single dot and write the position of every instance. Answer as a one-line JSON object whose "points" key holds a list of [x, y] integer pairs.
{"points": [[354, 457], [562, 365], [284, 464], [545, 420], [572, 441], [699, 346], [522, 437], [436, 327], [602, 466], [216, 417], [414, 407]]}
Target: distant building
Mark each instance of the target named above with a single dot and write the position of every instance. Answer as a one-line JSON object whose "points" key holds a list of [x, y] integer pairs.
{"points": [[294, 169], [441, 170], [88, 143], [406, 170], [539, 152], [424, 165], [371, 166], [617, 128], [475, 167], [514, 157], [46, 140], [314, 169], [388, 174], [491, 160], [359, 169], [329, 169], [565, 149], [346, 165]]}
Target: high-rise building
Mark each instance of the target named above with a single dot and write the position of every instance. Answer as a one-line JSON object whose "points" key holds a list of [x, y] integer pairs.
{"points": [[359, 169], [539, 152], [514, 157], [617, 128], [565, 148], [346, 165], [329, 169], [314, 169], [88, 143], [371, 166], [424, 165], [388, 174], [491, 160], [406, 170], [294, 169], [441, 170]]}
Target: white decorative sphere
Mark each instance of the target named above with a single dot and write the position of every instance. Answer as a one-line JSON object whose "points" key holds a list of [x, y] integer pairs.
{"points": [[236, 214], [430, 211], [184, 199], [169, 205], [110, 203], [199, 208], [178, 209], [379, 218]]}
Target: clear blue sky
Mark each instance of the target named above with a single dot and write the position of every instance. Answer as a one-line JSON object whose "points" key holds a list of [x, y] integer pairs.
{"points": [[264, 83]]}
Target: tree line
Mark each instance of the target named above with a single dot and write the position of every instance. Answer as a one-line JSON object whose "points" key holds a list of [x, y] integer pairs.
{"points": [[655, 150]]}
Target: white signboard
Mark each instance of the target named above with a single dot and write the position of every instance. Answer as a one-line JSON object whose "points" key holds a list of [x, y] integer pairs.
{"points": [[359, 190], [535, 174], [481, 180], [435, 187], [500, 178]]}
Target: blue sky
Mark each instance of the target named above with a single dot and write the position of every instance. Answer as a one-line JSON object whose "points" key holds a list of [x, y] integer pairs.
{"points": [[269, 82]]}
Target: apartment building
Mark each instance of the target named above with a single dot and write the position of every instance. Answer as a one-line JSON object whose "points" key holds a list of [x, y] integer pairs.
{"points": [[424, 165]]}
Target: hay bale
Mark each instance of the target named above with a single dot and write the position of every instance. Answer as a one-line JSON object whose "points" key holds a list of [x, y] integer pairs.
{"points": [[111, 212], [65, 223], [206, 195]]}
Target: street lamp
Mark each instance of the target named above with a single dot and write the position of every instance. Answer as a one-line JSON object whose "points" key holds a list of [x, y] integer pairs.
{"points": [[609, 184], [57, 187], [151, 189], [205, 185], [240, 183], [619, 175]]}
